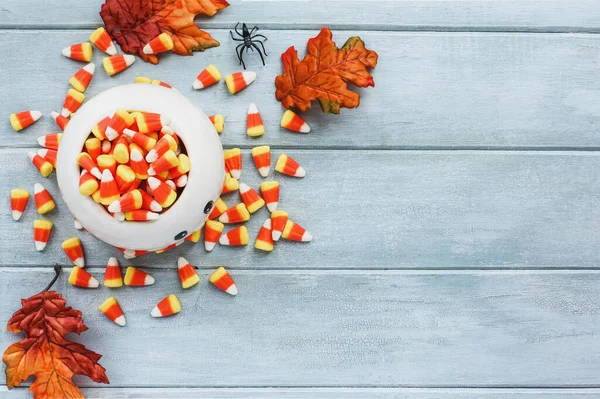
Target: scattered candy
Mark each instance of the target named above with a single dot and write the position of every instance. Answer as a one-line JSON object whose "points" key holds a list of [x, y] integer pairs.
{"points": [[212, 232], [128, 202], [218, 122], [235, 214], [41, 233], [130, 253], [278, 221], [291, 121], [236, 237], [230, 184], [270, 193], [50, 141], [195, 236], [43, 200], [21, 120], [86, 162], [79, 52], [117, 63], [208, 77], [238, 81], [60, 120], [159, 44], [72, 101], [81, 278], [187, 273], [141, 215], [74, 251], [254, 123], [109, 191], [223, 281], [120, 121], [295, 232], [137, 278], [101, 39], [82, 78], [219, 208], [233, 162], [288, 166], [48, 155], [167, 307], [251, 199], [87, 183], [18, 202], [43, 166], [163, 194], [112, 310], [170, 247], [112, 274], [77, 224], [264, 239], [262, 159]]}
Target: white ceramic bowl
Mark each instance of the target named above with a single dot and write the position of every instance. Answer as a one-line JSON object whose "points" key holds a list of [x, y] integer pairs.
{"points": [[205, 179]]}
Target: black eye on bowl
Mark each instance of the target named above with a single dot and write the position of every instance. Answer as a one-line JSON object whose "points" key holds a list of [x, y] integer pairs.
{"points": [[208, 207], [181, 235]]}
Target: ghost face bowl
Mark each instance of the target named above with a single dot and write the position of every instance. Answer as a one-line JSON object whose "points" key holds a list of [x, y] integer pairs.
{"points": [[205, 179]]}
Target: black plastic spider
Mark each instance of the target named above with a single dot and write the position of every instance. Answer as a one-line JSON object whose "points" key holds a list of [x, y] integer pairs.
{"points": [[249, 40]]}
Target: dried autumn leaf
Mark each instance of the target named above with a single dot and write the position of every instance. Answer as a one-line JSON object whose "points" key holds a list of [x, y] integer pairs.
{"points": [[323, 74], [133, 23], [45, 352]]}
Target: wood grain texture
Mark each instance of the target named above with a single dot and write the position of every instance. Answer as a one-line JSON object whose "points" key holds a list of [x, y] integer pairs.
{"points": [[341, 328], [433, 90], [530, 15]]}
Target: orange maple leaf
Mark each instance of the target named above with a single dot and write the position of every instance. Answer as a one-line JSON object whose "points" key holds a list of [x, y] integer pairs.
{"points": [[133, 23], [323, 73], [45, 352]]}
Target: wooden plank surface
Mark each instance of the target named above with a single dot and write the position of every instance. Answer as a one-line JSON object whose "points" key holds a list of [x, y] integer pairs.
{"points": [[433, 90], [530, 15], [381, 209], [342, 328]]}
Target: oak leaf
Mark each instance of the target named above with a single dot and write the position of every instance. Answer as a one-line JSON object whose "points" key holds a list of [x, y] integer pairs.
{"points": [[323, 74], [45, 352], [133, 23]]}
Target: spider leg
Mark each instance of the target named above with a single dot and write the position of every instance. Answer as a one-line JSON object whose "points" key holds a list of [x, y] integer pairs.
{"points": [[263, 47], [240, 54], [254, 30], [259, 35], [234, 39], [236, 30], [259, 53]]}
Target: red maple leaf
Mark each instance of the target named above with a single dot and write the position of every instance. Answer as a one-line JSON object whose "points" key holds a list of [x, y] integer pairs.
{"points": [[324, 72], [133, 23]]}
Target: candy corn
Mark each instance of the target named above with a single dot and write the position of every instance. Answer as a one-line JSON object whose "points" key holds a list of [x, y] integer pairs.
{"points": [[262, 159], [143, 140], [181, 181], [288, 166], [125, 178], [278, 221], [167, 307], [163, 84], [120, 121], [117, 63], [128, 202], [107, 162], [81, 278], [109, 191], [212, 232], [43, 200], [264, 239], [121, 150], [21, 120], [187, 273], [72, 101], [138, 164], [131, 253], [82, 78], [18, 202], [99, 129], [219, 208], [291, 121], [137, 278], [41, 233], [48, 155], [112, 274], [50, 141], [161, 192], [77, 224], [295, 232], [60, 120], [270, 193], [236, 237], [254, 123], [74, 251], [143, 79], [238, 81], [87, 183], [195, 236], [170, 247], [112, 310], [183, 167], [233, 162], [141, 215], [223, 281], [166, 143], [218, 122], [149, 203], [159, 44], [106, 146], [43, 166], [101, 39], [235, 214], [93, 147], [208, 77], [86, 162], [150, 122], [230, 184], [251, 199], [96, 196], [163, 164], [79, 52]]}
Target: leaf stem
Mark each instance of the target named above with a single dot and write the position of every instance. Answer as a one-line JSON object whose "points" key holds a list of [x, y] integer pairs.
{"points": [[57, 269]]}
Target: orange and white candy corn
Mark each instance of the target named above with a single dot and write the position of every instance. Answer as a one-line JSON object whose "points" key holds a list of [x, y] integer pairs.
{"points": [[77, 224], [218, 122], [235, 237], [121, 150], [230, 184], [143, 79], [238, 81], [181, 181], [167, 307], [41, 233], [162, 193], [125, 178], [48, 155], [151, 122], [251, 199], [99, 129], [112, 274], [117, 63], [195, 236], [137, 278], [21, 120], [112, 310], [101, 39], [149, 203], [107, 162], [208, 77], [235, 214], [93, 147], [105, 146], [79, 52], [163, 164], [223, 281], [278, 221], [132, 253], [291, 121], [233, 162], [43, 200], [270, 193], [60, 120], [138, 164], [262, 159], [50, 141], [128, 202], [74, 251], [141, 215], [43, 166], [143, 140], [264, 239], [87, 183], [170, 247], [288, 166], [254, 123], [159, 44], [166, 143], [82, 78], [18, 202], [120, 121], [181, 169], [295, 232], [219, 207], [109, 191], [212, 232], [81, 278], [72, 101], [86, 162], [187, 274]]}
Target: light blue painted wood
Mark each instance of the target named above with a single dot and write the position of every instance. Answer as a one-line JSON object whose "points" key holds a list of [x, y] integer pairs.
{"points": [[433, 90]]}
